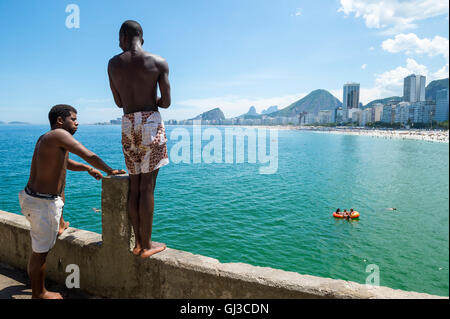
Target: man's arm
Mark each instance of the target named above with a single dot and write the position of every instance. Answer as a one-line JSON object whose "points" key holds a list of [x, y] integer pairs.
{"points": [[80, 167], [65, 140], [113, 88], [164, 86]]}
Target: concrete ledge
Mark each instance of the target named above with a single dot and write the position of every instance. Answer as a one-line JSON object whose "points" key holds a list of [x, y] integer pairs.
{"points": [[109, 269]]}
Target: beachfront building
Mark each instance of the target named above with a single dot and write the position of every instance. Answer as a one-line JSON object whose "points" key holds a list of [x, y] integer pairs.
{"points": [[388, 114], [333, 115], [442, 106], [377, 112], [402, 112], [351, 99], [325, 117], [117, 121], [354, 115], [367, 116], [171, 122], [310, 118], [422, 112], [339, 117], [302, 118], [268, 120], [414, 88]]}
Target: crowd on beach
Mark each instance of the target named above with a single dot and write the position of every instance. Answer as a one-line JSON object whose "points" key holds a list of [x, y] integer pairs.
{"points": [[424, 135]]}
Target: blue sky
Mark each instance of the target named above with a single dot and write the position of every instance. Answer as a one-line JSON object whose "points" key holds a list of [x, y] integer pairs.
{"points": [[230, 54]]}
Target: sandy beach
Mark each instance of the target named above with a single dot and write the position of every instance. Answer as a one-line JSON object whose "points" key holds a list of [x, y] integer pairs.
{"points": [[422, 135]]}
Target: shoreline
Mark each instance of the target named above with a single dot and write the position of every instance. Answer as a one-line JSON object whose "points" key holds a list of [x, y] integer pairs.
{"points": [[419, 135], [438, 136]]}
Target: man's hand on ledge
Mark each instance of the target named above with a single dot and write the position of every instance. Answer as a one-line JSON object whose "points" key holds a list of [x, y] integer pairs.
{"points": [[95, 173], [116, 172]]}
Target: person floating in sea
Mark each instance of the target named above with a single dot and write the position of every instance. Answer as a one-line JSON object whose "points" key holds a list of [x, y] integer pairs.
{"points": [[345, 214], [349, 215], [134, 77], [41, 201]]}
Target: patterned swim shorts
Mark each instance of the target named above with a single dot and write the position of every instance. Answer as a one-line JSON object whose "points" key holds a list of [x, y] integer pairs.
{"points": [[144, 142]]}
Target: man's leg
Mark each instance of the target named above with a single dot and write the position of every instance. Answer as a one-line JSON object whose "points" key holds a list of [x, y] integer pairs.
{"points": [[133, 211], [62, 224], [36, 272], [146, 207]]}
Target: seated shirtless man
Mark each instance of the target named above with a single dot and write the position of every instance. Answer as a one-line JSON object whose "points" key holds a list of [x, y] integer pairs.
{"points": [[134, 76], [41, 200]]}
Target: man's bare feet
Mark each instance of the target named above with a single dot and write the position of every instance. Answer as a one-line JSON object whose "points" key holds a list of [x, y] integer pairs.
{"points": [[63, 227], [137, 250], [49, 295], [155, 248]]}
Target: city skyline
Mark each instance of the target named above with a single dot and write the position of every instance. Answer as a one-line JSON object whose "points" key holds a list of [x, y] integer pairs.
{"points": [[229, 54]]}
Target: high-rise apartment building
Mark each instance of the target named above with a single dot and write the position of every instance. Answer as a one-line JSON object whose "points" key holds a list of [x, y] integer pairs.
{"points": [[442, 106], [378, 111], [414, 88], [351, 98]]}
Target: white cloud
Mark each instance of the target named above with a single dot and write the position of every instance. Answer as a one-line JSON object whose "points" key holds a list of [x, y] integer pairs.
{"points": [[363, 66], [299, 12], [411, 44], [390, 83], [394, 16], [441, 73], [371, 48]]}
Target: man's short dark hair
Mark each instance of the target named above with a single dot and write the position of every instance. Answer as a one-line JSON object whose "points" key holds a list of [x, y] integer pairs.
{"points": [[131, 29], [62, 110]]}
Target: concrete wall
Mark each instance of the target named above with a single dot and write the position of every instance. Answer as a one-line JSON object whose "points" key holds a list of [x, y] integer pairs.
{"points": [[109, 269]]}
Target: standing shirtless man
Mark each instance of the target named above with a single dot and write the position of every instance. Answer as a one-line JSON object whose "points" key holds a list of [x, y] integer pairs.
{"points": [[41, 200], [134, 76]]}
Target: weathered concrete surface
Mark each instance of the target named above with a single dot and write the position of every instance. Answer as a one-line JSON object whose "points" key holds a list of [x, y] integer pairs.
{"points": [[14, 284], [109, 269]]}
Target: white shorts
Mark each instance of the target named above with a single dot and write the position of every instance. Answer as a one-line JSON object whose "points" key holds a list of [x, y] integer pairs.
{"points": [[44, 216]]}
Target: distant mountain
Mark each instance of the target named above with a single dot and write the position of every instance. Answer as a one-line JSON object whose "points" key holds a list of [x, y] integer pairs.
{"points": [[2, 122], [312, 103], [16, 122], [250, 114], [392, 99], [433, 87], [252, 111], [215, 114], [271, 109]]}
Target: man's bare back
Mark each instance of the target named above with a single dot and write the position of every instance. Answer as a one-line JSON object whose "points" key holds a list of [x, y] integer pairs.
{"points": [[49, 164], [134, 76]]}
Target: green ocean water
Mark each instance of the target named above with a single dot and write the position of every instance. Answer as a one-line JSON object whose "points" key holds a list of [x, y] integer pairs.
{"points": [[233, 213]]}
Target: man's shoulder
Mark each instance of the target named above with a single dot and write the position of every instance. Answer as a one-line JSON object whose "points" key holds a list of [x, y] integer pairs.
{"points": [[159, 61], [57, 134], [115, 60], [53, 139], [154, 57]]}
